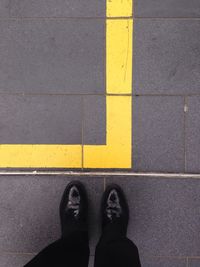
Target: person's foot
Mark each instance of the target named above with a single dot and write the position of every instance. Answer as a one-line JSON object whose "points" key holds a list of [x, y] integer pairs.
{"points": [[114, 209], [74, 208]]}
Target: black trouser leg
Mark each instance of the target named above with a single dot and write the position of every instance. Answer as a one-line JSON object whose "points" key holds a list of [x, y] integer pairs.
{"points": [[71, 251], [116, 250]]}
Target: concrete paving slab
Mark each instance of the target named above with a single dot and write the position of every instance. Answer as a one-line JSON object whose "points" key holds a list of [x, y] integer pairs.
{"points": [[167, 9], [14, 260], [192, 135], [40, 119], [166, 57], [163, 262], [29, 211], [60, 8], [94, 124], [194, 262], [164, 215], [52, 56], [158, 134], [4, 8]]}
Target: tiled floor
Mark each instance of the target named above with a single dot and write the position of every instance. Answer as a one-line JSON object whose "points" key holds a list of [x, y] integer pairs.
{"points": [[56, 76], [164, 221]]}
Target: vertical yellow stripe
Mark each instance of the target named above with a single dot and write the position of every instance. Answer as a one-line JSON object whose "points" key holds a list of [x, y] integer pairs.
{"points": [[119, 8], [117, 153], [119, 34]]}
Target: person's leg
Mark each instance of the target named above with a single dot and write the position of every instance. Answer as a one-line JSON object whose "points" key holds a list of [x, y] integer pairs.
{"points": [[114, 248], [72, 250]]}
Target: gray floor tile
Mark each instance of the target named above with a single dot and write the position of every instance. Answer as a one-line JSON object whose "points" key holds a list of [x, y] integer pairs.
{"points": [[14, 260], [167, 8], [52, 56], [40, 119], [91, 261], [166, 57], [60, 8], [192, 135], [94, 120], [158, 133], [194, 262], [163, 262], [164, 215], [4, 8], [29, 211]]}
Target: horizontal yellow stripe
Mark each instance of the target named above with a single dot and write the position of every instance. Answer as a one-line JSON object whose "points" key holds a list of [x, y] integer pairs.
{"points": [[41, 156]]}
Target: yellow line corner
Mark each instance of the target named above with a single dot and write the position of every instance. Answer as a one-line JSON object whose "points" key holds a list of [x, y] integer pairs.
{"points": [[117, 153]]}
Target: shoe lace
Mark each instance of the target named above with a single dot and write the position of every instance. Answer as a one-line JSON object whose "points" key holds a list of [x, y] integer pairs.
{"points": [[113, 208], [74, 202]]}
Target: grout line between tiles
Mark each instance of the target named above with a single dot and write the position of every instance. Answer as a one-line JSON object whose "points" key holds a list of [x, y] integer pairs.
{"points": [[67, 18], [82, 132], [187, 262], [166, 18], [103, 94], [104, 183], [98, 18], [185, 150], [17, 253], [63, 94]]}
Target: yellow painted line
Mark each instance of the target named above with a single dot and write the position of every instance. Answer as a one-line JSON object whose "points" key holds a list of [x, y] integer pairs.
{"points": [[119, 8], [117, 151], [41, 156], [119, 56]]}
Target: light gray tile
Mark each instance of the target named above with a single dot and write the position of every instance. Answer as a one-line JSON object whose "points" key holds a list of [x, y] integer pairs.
{"points": [[192, 135], [14, 260], [194, 262], [40, 119], [91, 261], [52, 56], [94, 120], [166, 57], [29, 211], [158, 134], [163, 262], [164, 215], [59, 8], [4, 8], [167, 8]]}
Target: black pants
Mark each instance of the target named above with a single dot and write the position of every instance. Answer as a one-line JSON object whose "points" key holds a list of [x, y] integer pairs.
{"points": [[113, 250]]}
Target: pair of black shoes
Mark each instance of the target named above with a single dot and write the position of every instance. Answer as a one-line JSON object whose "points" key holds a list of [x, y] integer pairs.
{"points": [[74, 209]]}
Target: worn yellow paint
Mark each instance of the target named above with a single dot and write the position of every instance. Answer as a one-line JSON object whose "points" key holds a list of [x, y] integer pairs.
{"points": [[117, 151], [119, 56], [119, 8], [41, 156]]}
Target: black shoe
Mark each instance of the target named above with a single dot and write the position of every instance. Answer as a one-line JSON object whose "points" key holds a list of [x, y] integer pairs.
{"points": [[74, 208], [114, 209]]}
